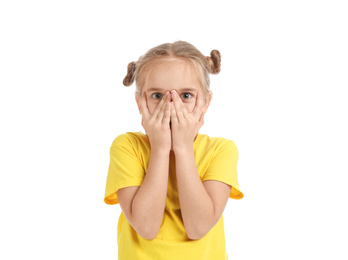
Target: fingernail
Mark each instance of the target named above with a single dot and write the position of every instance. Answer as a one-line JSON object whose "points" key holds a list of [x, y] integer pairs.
{"points": [[173, 93]]}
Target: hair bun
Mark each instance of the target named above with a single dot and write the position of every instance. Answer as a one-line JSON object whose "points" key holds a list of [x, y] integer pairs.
{"points": [[129, 79], [214, 61]]}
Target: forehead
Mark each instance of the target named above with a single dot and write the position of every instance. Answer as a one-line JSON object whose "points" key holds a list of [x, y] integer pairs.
{"points": [[171, 73]]}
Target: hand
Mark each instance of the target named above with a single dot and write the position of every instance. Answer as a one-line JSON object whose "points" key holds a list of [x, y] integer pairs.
{"points": [[156, 125], [185, 125]]}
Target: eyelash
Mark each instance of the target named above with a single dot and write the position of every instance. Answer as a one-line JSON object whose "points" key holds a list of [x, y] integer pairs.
{"points": [[186, 94], [157, 93]]}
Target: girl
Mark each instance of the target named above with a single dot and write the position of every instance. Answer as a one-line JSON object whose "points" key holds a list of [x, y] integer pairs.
{"points": [[172, 183]]}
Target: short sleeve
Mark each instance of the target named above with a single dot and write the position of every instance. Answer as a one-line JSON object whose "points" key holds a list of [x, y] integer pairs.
{"points": [[223, 167], [125, 169]]}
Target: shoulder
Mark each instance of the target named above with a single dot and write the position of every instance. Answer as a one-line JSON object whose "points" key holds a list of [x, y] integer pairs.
{"points": [[135, 142], [129, 138], [217, 144]]}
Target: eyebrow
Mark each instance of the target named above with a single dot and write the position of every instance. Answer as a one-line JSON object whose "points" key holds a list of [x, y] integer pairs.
{"points": [[183, 89], [155, 89]]}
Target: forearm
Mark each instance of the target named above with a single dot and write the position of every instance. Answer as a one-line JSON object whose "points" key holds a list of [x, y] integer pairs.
{"points": [[149, 202], [197, 208]]}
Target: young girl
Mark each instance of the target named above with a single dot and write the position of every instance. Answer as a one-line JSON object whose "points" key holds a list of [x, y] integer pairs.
{"points": [[172, 183]]}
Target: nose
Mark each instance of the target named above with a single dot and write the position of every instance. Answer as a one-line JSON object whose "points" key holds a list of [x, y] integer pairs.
{"points": [[168, 96]]}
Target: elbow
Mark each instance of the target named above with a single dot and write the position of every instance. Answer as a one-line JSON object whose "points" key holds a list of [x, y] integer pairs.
{"points": [[199, 229], [194, 237], [148, 232], [146, 229], [149, 236], [196, 234]]}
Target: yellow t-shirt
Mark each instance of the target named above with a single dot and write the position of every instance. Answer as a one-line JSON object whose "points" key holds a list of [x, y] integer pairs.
{"points": [[216, 159]]}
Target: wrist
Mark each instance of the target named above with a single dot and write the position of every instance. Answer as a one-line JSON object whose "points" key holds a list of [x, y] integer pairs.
{"points": [[183, 149], [161, 150]]}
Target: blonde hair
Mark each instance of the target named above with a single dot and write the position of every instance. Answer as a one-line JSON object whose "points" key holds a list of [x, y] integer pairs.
{"points": [[206, 65]]}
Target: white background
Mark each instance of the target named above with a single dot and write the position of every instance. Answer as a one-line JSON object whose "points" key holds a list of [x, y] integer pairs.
{"points": [[281, 96]]}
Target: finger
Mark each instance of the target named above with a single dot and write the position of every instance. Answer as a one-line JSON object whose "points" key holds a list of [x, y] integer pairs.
{"points": [[158, 108], [178, 106], [163, 106], [166, 117], [197, 111], [143, 106], [173, 116], [201, 121]]}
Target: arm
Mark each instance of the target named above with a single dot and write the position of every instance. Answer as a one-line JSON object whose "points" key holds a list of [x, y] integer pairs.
{"points": [[202, 204], [144, 206]]}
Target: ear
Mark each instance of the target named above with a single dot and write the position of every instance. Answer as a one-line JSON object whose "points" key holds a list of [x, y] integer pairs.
{"points": [[207, 99]]}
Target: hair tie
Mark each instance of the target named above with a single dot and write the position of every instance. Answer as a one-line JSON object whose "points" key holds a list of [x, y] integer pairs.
{"points": [[214, 61], [129, 79]]}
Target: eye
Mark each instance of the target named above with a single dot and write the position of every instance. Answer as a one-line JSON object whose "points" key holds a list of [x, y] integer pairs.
{"points": [[186, 95], [157, 95]]}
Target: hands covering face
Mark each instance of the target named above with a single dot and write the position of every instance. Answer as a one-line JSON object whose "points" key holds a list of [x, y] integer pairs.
{"points": [[171, 125]]}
